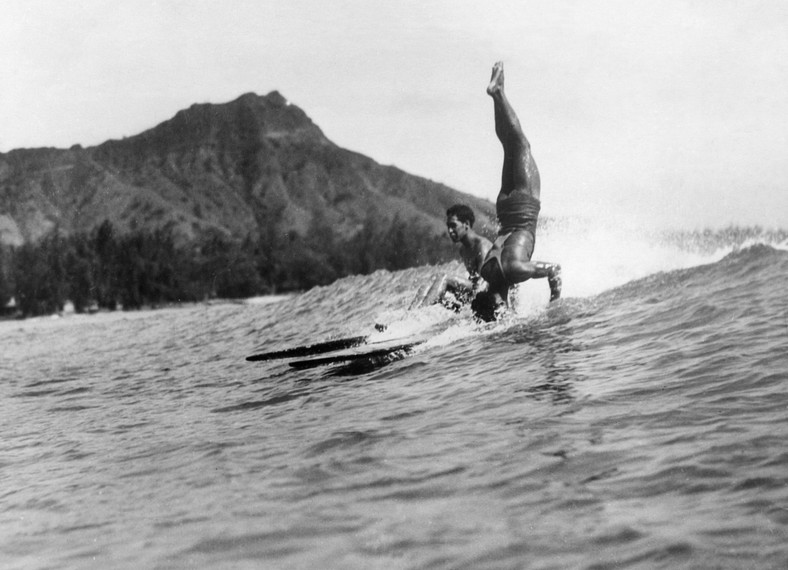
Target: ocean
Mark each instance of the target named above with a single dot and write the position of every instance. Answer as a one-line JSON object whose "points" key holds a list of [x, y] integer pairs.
{"points": [[639, 422]]}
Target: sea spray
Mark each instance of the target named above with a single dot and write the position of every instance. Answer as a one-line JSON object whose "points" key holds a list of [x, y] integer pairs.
{"points": [[597, 258]]}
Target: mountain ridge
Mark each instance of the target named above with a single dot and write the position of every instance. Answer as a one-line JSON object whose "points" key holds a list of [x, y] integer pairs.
{"points": [[256, 165]]}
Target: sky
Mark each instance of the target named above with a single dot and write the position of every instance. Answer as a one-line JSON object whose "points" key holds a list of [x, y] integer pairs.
{"points": [[669, 114]]}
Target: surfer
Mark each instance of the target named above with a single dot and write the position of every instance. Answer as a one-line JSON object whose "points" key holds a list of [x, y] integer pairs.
{"points": [[509, 260], [473, 250]]}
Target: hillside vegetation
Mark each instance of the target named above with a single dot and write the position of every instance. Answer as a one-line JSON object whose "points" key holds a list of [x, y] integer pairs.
{"points": [[235, 199]]}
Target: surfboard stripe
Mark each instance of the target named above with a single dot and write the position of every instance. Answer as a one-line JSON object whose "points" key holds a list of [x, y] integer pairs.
{"points": [[355, 355], [309, 350]]}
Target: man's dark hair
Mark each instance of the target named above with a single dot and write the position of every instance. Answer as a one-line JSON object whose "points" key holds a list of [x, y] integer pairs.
{"points": [[463, 213], [484, 307]]}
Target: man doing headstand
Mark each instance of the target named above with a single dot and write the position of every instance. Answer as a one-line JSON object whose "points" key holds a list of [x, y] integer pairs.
{"points": [[509, 260]]}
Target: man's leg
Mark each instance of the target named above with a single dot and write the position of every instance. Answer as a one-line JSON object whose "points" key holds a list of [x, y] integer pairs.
{"points": [[519, 170], [516, 264], [519, 173]]}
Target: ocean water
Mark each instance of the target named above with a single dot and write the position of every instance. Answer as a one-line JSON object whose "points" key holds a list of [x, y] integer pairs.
{"points": [[639, 422]]}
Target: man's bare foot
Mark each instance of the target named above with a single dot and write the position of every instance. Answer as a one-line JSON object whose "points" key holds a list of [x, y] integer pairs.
{"points": [[496, 81], [554, 280]]}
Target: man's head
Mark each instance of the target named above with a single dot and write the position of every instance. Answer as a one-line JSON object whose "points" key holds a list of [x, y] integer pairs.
{"points": [[459, 219], [486, 306], [462, 212]]}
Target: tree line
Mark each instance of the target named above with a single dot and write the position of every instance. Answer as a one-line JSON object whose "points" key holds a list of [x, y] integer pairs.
{"points": [[106, 269]]}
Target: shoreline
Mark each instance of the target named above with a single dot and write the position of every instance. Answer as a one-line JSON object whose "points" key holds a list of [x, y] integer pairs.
{"points": [[72, 316]]}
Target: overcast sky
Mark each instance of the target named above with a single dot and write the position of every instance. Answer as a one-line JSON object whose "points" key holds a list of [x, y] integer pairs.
{"points": [[670, 113]]}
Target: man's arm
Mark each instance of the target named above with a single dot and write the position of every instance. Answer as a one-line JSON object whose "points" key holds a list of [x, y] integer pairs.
{"points": [[475, 259]]}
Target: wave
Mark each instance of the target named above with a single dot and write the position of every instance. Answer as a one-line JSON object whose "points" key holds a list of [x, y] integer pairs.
{"points": [[601, 266], [597, 258], [741, 271]]}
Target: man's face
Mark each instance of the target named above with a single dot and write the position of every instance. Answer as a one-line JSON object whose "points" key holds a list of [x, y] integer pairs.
{"points": [[456, 228]]}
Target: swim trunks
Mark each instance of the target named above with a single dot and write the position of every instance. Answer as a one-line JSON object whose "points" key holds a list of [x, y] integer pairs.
{"points": [[517, 211]]}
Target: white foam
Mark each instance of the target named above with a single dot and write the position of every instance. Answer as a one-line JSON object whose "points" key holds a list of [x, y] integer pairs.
{"points": [[404, 323], [594, 259]]}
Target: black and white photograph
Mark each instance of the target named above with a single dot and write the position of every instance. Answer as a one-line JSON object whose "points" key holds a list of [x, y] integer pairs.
{"points": [[352, 284]]}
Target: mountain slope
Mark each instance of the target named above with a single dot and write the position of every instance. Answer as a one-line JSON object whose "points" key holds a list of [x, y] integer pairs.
{"points": [[253, 166]]}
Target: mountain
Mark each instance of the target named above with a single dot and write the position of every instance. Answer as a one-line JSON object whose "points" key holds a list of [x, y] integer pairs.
{"points": [[253, 166]]}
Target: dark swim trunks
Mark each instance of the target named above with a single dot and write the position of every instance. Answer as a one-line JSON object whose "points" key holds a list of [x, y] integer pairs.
{"points": [[517, 211]]}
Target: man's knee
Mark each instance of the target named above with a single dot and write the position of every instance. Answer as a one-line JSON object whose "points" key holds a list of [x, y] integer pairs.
{"points": [[518, 270]]}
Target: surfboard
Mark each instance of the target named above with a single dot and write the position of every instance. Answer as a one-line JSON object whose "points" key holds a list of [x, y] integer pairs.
{"points": [[311, 349], [384, 350]]}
